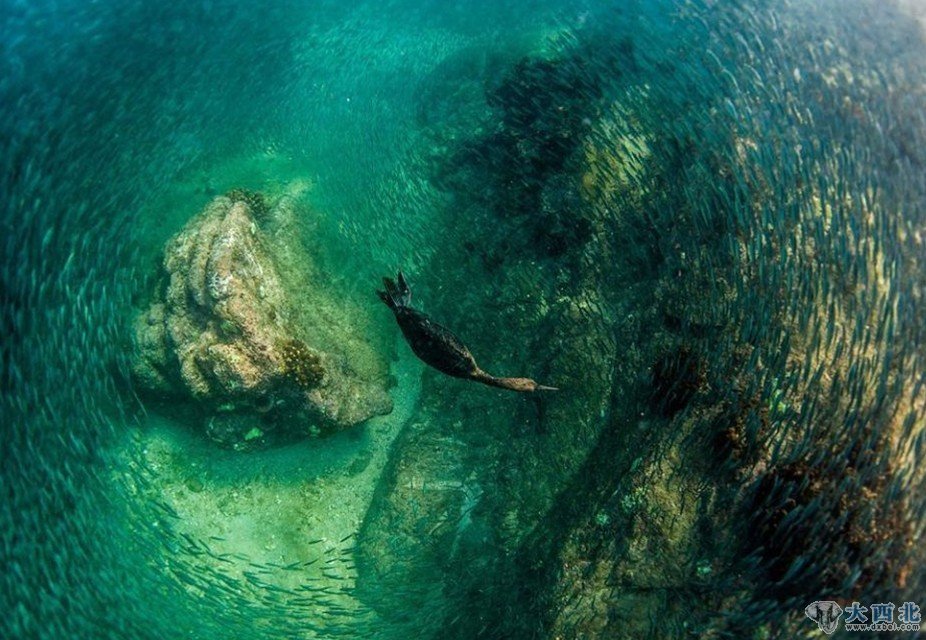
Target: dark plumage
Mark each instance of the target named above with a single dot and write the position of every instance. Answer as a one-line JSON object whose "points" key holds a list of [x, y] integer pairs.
{"points": [[437, 346]]}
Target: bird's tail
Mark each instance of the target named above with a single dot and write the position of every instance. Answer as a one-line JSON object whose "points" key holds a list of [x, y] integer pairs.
{"points": [[397, 294], [525, 385]]}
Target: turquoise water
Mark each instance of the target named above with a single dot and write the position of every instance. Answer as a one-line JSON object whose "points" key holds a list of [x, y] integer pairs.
{"points": [[703, 223]]}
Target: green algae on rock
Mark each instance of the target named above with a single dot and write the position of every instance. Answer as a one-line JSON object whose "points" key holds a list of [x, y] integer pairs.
{"points": [[225, 330]]}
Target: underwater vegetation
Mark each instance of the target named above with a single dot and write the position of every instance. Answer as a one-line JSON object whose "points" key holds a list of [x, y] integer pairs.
{"points": [[301, 365], [703, 222], [255, 200], [677, 376]]}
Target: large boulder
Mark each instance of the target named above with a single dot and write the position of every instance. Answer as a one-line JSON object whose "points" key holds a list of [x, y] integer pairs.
{"points": [[225, 330]]}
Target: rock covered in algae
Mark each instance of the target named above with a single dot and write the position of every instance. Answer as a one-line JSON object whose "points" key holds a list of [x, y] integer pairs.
{"points": [[713, 461], [224, 330]]}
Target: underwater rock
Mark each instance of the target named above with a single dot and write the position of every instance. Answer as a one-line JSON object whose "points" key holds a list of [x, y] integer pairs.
{"points": [[223, 331], [733, 427]]}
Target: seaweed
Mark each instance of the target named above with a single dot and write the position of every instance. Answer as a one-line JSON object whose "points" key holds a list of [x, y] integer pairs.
{"points": [[302, 365], [255, 200]]}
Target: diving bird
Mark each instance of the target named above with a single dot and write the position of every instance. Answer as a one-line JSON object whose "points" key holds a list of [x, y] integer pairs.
{"points": [[437, 346]]}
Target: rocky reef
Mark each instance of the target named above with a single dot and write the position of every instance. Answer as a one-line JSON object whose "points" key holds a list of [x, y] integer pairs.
{"points": [[728, 443], [230, 329]]}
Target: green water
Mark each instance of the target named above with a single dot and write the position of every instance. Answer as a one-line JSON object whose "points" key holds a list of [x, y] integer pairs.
{"points": [[703, 223]]}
